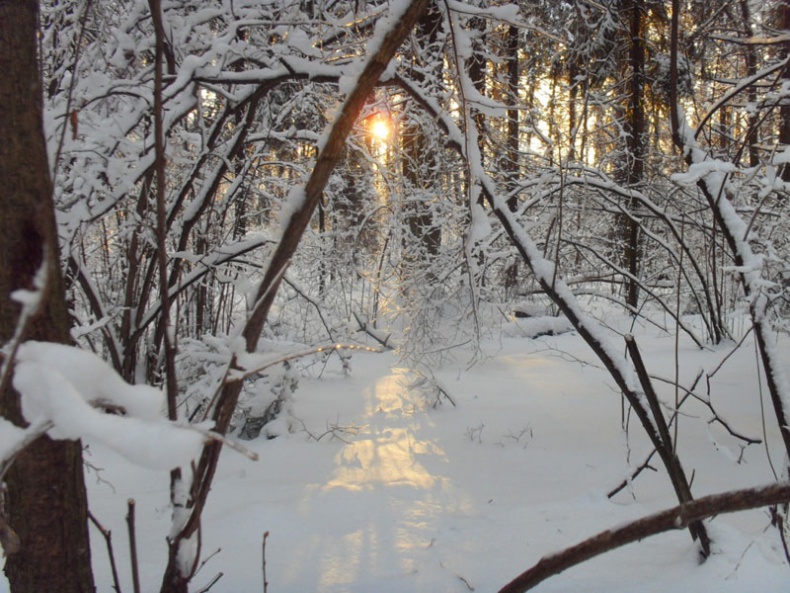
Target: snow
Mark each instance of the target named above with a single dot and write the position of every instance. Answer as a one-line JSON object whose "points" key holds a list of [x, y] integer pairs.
{"points": [[699, 170], [537, 326], [480, 227], [187, 553], [376, 491], [60, 384], [93, 379], [371, 487], [46, 394], [507, 13]]}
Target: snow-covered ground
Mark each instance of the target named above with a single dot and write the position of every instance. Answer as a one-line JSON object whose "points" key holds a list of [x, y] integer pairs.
{"points": [[376, 491]]}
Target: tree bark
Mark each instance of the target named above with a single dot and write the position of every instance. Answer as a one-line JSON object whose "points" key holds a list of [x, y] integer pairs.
{"points": [[753, 135], [635, 127], [513, 128], [419, 164], [784, 110], [45, 500]]}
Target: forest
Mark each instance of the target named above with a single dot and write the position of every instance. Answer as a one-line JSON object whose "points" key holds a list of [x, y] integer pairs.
{"points": [[208, 205]]}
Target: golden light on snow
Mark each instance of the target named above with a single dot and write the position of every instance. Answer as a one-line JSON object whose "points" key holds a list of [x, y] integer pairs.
{"points": [[384, 454], [384, 457]]}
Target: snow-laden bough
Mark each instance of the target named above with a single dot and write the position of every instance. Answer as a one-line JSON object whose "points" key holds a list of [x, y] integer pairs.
{"points": [[65, 390]]}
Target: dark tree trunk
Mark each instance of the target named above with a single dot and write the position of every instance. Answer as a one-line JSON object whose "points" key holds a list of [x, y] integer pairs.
{"points": [[635, 127], [573, 93], [419, 164], [512, 160], [784, 110], [513, 130], [752, 136], [45, 500]]}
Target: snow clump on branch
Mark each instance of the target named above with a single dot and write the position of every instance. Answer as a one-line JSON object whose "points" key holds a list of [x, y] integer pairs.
{"points": [[64, 386]]}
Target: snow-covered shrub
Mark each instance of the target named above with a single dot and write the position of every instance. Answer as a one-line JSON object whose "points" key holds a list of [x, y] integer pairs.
{"points": [[265, 405]]}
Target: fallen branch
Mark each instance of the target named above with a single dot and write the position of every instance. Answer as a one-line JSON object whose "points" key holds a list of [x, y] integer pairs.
{"points": [[678, 517], [635, 474]]}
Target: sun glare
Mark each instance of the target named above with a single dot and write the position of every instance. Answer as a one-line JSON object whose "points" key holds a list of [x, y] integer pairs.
{"points": [[380, 128]]}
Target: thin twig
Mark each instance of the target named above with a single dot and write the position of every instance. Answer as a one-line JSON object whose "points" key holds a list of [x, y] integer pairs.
{"points": [[239, 374], [316, 305], [645, 465], [207, 559], [133, 546], [364, 328], [265, 581], [707, 403], [211, 583], [107, 535]]}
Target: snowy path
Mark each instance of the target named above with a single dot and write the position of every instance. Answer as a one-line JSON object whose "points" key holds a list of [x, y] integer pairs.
{"points": [[389, 503], [415, 500]]}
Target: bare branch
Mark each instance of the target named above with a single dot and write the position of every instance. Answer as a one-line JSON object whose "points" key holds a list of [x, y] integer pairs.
{"points": [[677, 517]]}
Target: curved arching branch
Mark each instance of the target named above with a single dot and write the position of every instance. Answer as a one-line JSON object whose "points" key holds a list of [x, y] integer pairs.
{"points": [[677, 517]]}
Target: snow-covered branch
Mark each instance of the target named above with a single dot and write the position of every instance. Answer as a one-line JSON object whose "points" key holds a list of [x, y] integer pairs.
{"points": [[677, 517], [63, 390], [711, 176]]}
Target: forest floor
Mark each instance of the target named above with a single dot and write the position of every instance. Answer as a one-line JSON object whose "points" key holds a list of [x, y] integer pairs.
{"points": [[377, 491]]}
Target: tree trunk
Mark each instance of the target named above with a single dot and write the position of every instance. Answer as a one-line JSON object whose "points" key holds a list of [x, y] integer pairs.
{"points": [[784, 110], [752, 136], [635, 126], [424, 237], [45, 500], [513, 129]]}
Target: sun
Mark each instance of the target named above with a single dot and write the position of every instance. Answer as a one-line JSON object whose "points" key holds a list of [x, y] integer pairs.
{"points": [[381, 129]]}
